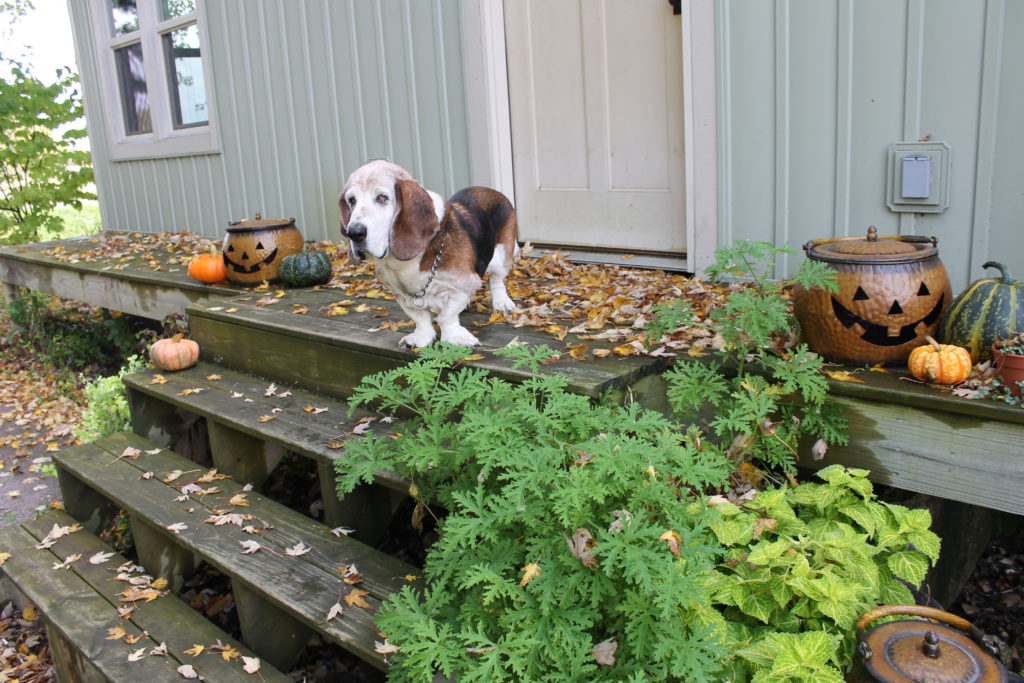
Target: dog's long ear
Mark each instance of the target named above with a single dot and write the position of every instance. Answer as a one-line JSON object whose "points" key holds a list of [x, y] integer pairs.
{"points": [[346, 211], [416, 223]]}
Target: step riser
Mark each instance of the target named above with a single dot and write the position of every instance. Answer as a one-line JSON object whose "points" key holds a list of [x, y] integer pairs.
{"points": [[319, 367]]}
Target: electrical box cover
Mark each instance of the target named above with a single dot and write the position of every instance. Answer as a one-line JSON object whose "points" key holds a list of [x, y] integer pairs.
{"points": [[918, 177]]}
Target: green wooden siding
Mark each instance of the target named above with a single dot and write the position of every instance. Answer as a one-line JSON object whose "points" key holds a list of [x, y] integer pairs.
{"points": [[304, 92], [812, 92]]}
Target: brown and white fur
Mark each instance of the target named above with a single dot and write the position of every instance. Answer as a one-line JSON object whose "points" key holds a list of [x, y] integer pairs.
{"points": [[389, 218]]}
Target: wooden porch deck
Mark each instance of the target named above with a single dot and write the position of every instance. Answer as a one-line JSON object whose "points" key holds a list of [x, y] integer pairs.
{"points": [[910, 436]]}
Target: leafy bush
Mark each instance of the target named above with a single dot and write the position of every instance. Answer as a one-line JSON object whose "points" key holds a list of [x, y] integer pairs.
{"points": [[763, 395], [107, 410], [573, 533], [590, 541], [69, 335], [804, 563], [576, 541]]}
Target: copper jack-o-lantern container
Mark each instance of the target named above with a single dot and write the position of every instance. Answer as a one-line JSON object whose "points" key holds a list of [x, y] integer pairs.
{"points": [[254, 248], [944, 649], [892, 290]]}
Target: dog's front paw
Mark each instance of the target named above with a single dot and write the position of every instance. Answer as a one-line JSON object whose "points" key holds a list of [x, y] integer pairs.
{"points": [[459, 336], [416, 340], [502, 303]]}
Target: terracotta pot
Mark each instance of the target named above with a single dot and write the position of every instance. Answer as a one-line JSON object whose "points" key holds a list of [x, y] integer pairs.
{"points": [[1009, 367], [892, 290], [254, 249]]}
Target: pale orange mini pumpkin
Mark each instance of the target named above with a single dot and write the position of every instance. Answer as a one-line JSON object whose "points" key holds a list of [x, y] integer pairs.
{"points": [[937, 363], [176, 353]]}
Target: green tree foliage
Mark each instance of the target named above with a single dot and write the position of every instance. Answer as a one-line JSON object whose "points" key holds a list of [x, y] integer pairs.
{"points": [[40, 166]]}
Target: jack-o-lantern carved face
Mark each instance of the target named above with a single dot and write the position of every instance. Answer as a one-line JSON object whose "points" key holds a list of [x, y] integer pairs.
{"points": [[254, 255], [247, 254], [880, 313]]}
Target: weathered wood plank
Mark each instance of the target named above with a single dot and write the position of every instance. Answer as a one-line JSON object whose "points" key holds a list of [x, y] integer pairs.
{"points": [[166, 620], [319, 433], [338, 352], [73, 609], [383, 575], [949, 455], [160, 556], [303, 586], [147, 297]]}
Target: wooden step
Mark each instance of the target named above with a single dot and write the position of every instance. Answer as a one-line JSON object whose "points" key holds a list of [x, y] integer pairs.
{"points": [[80, 608], [282, 593], [251, 425], [260, 334]]}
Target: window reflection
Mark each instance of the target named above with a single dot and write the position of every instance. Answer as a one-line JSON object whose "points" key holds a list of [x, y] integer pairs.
{"points": [[134, 94], [185, 77], [125, 14], [177, 8]]}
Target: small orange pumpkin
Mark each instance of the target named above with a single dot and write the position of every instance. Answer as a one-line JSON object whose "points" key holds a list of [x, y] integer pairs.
{"points": [[208, 268], [937, 363], [176, 353]]}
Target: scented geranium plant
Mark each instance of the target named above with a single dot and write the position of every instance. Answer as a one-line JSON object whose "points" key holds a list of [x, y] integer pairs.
{"points": [[582, 540]]}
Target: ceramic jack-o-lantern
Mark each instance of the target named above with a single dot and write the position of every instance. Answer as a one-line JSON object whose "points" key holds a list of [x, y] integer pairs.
{"points": [[892, 291], [254, 249]]}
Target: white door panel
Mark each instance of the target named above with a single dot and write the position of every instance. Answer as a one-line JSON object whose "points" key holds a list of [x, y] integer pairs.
{"points": [[596, 104]]}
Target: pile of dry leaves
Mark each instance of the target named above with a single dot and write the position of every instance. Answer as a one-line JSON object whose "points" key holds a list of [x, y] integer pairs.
{"points": [[24, 652]]}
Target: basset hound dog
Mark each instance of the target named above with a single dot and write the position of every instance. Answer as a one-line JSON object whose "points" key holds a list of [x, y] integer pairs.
{"points": [[431, 253]]}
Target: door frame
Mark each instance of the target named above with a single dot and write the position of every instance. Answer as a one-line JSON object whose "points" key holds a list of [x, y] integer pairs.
{"points": [[490, 125]]}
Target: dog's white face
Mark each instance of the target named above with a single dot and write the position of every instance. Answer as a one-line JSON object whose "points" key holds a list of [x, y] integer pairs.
{"points": [[369, 207]]}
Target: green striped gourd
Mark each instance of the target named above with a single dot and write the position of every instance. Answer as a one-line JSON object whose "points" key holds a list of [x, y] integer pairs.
{"points": [[987, 311]]}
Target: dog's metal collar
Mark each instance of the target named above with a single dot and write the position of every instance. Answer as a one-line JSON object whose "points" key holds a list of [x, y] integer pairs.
{"points": [[418, 298]]}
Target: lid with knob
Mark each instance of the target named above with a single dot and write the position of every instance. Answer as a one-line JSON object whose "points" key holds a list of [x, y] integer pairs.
{"points": [[916, 650]]}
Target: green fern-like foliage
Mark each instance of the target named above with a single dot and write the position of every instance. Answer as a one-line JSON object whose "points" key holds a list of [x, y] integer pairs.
{"points": [[760, 400], [810, 560], [567, 526]]}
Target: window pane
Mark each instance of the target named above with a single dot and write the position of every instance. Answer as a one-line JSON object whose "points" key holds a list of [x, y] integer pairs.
{"points": [[177, 8], [125, 15], [134, 95], [185, 77]]}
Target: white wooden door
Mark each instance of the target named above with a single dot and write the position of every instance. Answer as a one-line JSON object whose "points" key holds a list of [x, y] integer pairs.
{"points": [[596, 105]]}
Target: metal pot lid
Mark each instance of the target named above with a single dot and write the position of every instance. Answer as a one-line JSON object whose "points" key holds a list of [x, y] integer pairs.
{"points": [[258, 222], [872, 249], [910, 650]]}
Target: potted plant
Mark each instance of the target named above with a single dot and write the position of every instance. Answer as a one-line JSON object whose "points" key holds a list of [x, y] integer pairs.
{"points": [[1008, 358]]}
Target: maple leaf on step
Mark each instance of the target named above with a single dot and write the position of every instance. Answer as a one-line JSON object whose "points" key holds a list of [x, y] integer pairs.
{"points": [[100, 558], [250, 547], [137, 655], [250, 665], [187, 671], [336, 611], [160, 650], [195, 650], [338, 531], [354, 598], [66, 564], [298, 549], [116, 633], [177, 527]]}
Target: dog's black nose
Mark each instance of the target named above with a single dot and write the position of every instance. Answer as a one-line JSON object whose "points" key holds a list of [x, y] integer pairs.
{"points": [[356, 232]]}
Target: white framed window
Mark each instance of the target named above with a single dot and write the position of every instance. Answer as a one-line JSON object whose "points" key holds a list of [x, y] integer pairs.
{"points": [[156, 80]]}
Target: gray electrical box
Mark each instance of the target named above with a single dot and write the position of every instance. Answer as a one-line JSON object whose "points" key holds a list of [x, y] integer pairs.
{"points": [[918, 177]]}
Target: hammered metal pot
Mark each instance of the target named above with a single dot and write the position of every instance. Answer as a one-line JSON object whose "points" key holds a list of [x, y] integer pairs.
{"points": [[892, 291], [254, 248], [940, 648]]}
